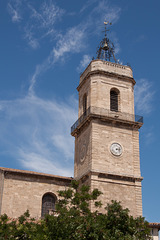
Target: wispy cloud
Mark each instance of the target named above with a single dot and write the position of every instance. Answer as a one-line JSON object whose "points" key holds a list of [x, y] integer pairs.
{"points": [[104, 11], [14, 9], [50, 14], [42, 18], [37, 133], [36, 162], [101, 11], [74, 39], [47, 15], [32, 41], [114, 39], [39, 69], [84, 62], [149, 135], [87, 5], [144, 95], [71, 42]]}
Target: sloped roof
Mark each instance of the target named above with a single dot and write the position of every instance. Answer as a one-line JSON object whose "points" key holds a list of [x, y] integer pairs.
{"points": [[18, 171], [154, 225]]}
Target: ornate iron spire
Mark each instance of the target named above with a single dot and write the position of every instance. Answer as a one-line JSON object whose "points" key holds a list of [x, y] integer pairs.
{"points": [[105, 50]]}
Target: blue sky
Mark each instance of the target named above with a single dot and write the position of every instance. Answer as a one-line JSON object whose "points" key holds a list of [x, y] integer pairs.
{"points": [[45, 45]]}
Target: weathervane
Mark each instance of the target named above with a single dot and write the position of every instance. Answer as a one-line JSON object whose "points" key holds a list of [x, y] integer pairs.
{"points": [[105, 50]]}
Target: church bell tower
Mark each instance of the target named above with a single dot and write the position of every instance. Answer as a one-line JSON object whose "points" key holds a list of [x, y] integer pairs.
{"points": [[107, 131]]}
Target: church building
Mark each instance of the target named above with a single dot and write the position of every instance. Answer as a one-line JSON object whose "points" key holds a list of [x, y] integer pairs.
{"points": [[106, 145], [106, 134]]}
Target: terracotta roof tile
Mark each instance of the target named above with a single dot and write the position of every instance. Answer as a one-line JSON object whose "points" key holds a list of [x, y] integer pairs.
{"points": [[154, 225]]}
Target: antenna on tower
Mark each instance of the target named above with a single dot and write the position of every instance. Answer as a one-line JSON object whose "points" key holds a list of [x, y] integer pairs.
{"points": [[105, 49]]}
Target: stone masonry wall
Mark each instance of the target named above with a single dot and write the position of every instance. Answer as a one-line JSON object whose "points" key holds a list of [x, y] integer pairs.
{"points": [[84, 90], [124, 191], [103, 160], [23, 192], [107, 66], [100, 93], [82, 162], [1, 188]]}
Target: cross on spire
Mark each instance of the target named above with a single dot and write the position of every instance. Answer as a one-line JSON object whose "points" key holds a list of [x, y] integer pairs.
{"points": [[105, 24]]}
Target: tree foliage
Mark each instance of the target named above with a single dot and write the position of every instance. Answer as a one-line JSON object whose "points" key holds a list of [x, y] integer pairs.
{"points": [[74, 220]]}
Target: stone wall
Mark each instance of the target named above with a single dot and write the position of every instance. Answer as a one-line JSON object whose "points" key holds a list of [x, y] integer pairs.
{"points": [[23, 190], [117, 176], [97, 81], [83, 154], [100, 92], [107, 66], [103, 135], [127, 191]]}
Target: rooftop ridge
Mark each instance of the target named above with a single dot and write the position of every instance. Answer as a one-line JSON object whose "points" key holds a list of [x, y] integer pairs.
{"points": [[3, 169]]}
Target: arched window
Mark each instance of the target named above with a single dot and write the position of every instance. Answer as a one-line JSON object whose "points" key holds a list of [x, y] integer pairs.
{"points": [[114, 97], [84, 103], [48, 203]]}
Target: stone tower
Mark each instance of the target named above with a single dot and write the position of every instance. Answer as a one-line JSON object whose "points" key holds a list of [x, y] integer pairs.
{"points": [[106, 134]]}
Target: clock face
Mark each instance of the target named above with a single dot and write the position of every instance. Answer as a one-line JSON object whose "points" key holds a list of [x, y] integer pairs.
{"points": [[82, 153], [116, 149], [82, 150]]}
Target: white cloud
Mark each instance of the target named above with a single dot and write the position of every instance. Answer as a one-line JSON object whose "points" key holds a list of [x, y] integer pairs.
{"points": [[37, 133], [36, 162], [143, 96], [72, 41], [14, 10], [46, 16], [84, 62], [39, 69], [41, 18], [59, 141], [32, 41], [104, 11], [114, 39], [51, 13], [149, 136], [87, 5]]}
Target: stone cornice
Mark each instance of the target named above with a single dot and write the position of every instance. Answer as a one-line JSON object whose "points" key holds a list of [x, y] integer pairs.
{"points": [[112, 75], [110, 175], [113, 120], [107, 66]]}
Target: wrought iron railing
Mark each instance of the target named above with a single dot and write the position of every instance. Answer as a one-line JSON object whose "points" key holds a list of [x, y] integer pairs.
{"points": [[106, 113]]}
